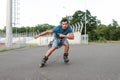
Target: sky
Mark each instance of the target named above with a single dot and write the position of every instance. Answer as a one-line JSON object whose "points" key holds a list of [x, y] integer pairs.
{"points": [[33, 12]]}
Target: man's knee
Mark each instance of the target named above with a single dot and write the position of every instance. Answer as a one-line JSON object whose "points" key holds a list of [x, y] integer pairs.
{"points": [[66, 44]]}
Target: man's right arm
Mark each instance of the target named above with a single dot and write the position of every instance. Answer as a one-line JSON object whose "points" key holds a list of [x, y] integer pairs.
{"points": [[43, 33]]}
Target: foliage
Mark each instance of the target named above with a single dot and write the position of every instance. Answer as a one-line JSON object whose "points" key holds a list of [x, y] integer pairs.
{"points": [[38, 28], [85, 17]]}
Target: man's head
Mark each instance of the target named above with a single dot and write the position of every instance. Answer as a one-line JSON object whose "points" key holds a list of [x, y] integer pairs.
{"points": [[64, 22]]}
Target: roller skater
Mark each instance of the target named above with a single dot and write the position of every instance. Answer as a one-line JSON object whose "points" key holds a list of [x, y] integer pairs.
{"points": [[61, 32]]}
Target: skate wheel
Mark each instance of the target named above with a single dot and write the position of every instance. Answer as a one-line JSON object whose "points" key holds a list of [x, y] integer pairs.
{"points": [[66, 61], [41, 65]]}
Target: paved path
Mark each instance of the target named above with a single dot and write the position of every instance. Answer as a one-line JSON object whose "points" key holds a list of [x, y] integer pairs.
{"points": [[87, 62]]}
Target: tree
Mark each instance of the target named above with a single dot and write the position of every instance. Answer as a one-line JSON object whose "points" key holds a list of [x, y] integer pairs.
{"points": [[110, 32], [114, 23], [117, 34], [91, 22], [43, 27]]}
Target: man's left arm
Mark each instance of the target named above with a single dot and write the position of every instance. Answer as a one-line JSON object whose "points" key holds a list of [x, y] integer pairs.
{"points": [[69, 36]]}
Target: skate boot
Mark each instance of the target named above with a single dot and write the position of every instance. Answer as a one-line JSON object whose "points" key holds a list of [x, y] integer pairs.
{"points": [[65, 57], [43, 61]]}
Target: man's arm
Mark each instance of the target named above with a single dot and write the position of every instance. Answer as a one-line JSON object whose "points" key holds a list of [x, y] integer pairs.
{"points": [[69, 36], [43, 33]]}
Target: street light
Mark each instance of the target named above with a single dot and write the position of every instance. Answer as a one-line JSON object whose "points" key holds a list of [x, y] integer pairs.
{"points": [[9, 24], [85, 15]]}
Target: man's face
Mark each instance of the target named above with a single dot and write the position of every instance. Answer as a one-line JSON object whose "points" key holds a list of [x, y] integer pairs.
{"points": [[64, 25]]}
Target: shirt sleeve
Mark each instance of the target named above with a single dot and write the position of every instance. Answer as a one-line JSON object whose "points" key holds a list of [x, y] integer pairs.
{"points": [[70, 30], [55, 29]]}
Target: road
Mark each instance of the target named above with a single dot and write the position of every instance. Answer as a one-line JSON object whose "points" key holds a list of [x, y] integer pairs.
{"points": [[87, 62]]}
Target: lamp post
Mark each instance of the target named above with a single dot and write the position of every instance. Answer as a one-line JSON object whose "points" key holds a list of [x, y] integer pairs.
{"points": [[85, 16], [9, 24]]}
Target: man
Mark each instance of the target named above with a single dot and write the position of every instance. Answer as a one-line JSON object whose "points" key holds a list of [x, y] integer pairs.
{"points": [[61, 32]]}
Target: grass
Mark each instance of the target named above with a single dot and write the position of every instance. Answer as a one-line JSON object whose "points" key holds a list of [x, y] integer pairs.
{"points": [[106, 41], [3, 48], [9, 49], [32, 45]]}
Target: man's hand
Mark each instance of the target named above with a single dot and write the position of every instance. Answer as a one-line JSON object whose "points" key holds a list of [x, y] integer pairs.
{"points": [[62, 35], [69, 36], [36, 36]]}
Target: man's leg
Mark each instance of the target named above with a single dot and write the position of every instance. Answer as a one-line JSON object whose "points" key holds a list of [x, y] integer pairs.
{"points": [[66, 50], [49, 52]]}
